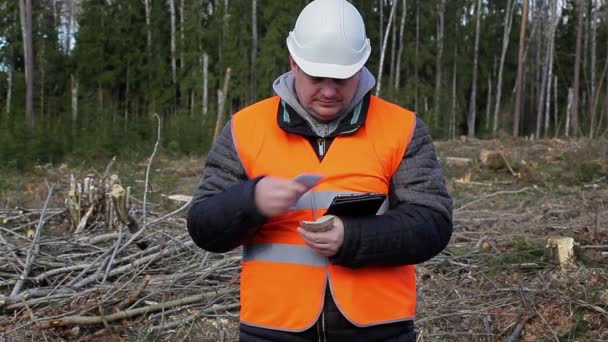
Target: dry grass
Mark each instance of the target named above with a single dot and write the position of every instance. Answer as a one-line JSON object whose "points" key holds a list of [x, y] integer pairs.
{"points": [[493, 279]]}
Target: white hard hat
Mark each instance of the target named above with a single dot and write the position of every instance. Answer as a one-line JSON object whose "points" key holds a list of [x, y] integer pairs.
{"points": [[329, 39]]}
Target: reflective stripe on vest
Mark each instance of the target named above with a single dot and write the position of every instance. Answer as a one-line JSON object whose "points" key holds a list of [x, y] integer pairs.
{"points": [[283, 280]]}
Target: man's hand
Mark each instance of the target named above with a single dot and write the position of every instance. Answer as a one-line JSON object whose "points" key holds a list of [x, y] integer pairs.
{"points": [[326, 243], [274, 196]]}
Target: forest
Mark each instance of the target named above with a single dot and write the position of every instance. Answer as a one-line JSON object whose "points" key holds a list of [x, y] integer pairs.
{"points": [[85, 78], [108, 108]]}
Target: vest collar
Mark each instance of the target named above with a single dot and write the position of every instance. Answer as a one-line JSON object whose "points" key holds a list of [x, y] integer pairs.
{"points": [[290, 121]]}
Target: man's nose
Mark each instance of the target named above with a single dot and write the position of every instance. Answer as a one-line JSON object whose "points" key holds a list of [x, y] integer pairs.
{"points": [[329, 87]]}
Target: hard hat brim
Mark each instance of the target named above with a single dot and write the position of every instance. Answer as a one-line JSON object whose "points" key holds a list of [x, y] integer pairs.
{"points": [[328, 70]]}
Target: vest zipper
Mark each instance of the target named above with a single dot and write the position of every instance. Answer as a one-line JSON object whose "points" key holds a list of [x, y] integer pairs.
{"points": [[321, 145]]}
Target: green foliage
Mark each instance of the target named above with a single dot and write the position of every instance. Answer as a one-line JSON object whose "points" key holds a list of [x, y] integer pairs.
{"points": [[522, 253], [122, 81]]}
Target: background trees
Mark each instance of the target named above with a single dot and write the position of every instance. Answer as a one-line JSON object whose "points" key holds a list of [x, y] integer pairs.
{"points": [[98, 70]]}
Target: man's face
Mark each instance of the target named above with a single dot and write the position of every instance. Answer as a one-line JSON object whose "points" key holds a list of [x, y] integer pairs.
{"points": [[323, 98]]}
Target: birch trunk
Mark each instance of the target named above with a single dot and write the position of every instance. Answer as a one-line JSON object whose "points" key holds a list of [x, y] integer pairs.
{"points": [[505, 45], [254, 48], [9, 92], [391, 75], [520, 69], [554, 21], [74, 93], [205, 65], [25, 14], [438, 59], [489, 102], [383, 51], [594, 18], [148, 9], [555, 108], [173, 62], [68, 36], [126, 116], [577, 69], [473, 102], [181, 35], [41, 67], [544, 70], [401, 43], [381, 24], [452, 129], [222, 96], [569, 112]]}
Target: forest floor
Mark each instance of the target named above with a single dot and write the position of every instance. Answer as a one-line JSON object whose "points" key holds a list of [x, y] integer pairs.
{"points": [[495, 280]]}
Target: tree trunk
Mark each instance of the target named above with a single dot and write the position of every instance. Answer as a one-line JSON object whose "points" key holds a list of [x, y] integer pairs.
{"points": [[25, 13], [383, 51], [577, 69], [68, 36], [505, 45], [148, 9], [452, 129], [438, 60], [222, 97], [569, 112], [544, 70], [181, 35], [173, 62], [205, 65], [381, 24], [489, 101], [41, 67], [391, 75], [126, 116], [555, 108], [473, 103], [553, 22], [9, 92], [401, 43], [254, 48], [74, 91], [520, 69], [595, 8]]}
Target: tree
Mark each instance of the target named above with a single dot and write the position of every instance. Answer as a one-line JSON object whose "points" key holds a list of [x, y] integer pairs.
{"points": [[439, 57], [473, 103], [577, 68], [505, 45], [25, 12], [520, 69]]}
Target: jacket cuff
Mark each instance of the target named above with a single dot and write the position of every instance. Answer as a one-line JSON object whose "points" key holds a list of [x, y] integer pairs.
{"points": [[346, 253]]}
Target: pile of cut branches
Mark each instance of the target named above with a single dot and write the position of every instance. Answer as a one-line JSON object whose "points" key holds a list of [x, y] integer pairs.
{"points": [[106, 266]]}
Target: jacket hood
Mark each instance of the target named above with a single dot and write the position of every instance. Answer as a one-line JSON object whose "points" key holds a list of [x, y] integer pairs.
{"points": [[284, 87]]}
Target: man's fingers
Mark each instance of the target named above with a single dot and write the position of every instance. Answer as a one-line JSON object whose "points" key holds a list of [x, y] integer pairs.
{"points": [[314, 239]]}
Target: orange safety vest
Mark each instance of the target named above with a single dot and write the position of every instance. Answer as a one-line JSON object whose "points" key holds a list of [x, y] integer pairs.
{"points": [[283, 280]]}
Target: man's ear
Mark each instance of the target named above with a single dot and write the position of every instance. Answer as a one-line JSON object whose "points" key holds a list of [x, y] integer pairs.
{"points": [[292, 64]]}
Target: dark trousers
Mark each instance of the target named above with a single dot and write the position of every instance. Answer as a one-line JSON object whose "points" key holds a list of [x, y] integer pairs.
{"points": [[389, 333]]}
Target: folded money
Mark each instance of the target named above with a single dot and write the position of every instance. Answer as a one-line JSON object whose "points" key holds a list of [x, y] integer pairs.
{"points": [[321, 225]]}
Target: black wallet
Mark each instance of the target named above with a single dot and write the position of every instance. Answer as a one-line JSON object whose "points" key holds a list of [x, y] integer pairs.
{"points": [[356, 204]]}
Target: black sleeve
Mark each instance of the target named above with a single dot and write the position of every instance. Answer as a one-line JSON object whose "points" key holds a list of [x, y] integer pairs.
{"points": [[419, 224], [223, 213], [406, 234]]}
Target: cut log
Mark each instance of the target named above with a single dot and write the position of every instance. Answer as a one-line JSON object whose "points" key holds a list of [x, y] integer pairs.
{"points": [[561, 250], [457, 161], [492, 159]]}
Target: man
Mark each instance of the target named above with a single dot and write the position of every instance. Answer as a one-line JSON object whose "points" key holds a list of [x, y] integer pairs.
{"points": [[356, 281]]}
